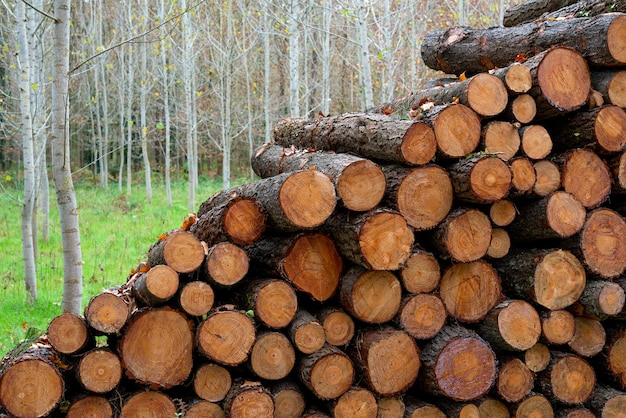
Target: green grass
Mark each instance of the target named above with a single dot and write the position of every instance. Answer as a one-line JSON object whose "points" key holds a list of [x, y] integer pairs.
{"points": [[116, 233]]}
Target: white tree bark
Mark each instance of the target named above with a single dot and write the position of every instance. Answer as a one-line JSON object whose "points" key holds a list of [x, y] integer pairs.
{"points": [[267, 71], [294, 57], [188, 88], [129, 112], [366, 69], [145, 84], [166, 107], [326, 21], [61, 169]]}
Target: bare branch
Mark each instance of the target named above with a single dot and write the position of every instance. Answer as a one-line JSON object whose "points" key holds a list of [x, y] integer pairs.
{"points": [[54, 19]]}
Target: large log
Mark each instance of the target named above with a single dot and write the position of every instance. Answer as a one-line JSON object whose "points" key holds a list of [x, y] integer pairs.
{"points": [[178, 249], [531, 9], [568, 379], [585, 8], [461, 49]]}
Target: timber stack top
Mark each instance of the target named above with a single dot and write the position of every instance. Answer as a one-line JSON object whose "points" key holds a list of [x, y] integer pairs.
{"points": [[456, 252]]}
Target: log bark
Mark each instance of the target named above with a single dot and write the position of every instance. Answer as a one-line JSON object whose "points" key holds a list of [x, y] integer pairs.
{"points": [[457, 364], [422, 195], [328, 373], [196, 298], [90, 406], [68, 333], [148, 403], [272, 356], [501, 138], [568, 379], [180, 250], [515, 380], [462, 49], [248, 399], [421, 316], [421, 272], [524, 176], [226, 264], [212, 382], [601, 299], [536, 141], [470, 290], [108, 311], [156, 286], [359, 182], [339, 327], [589, 337], [356, 403], [584, 8], [289, 401], [273, 301], [531, 9], [99, 371], [480, 179], [306, 333], [389, 360], [558, 326], [606, 401], [612, 86], [512, 325], [369, 135], [464, 235], [371, 296]]}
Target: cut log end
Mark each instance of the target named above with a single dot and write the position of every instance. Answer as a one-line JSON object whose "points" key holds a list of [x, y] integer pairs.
{"points": [[615, 39], [307, 198], [457, 130], [226, 336], [490, 179], [467, 235], [561, 267], [68, 333], [107, 313], [518, 78], [586, 176], [572, 379], [502, 139], [100, 371], [421, 272], [338, 326], [524, 108], [422, 316], [182, 251], [502, 212], [272, 356], [602, 243], [196, 298], [534, 406], [356, 403], [386, 241], [515, 380], [617, 89], [244, 222], [90, 406], [328, 372], [148, 403], [227, 264], [212, 382], [419, 144], [275, 303], [524, 175], [610, 128], [564, 78], [487, 95], [536, 142], [500, 243], [361, 185], [548, 177], [558, 326], [372, 296], [537, 357], [565, 214]]}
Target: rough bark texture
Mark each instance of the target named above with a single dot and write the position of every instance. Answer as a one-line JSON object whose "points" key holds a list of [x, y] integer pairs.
{"points": [[531, 9]]}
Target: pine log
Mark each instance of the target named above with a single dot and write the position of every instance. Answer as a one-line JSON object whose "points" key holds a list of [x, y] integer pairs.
{"points": [[516, 78], [585, 176], [379, 240], [502, 212], [613, 361], [558, 215], [457, 364], [212, 382], [226, 264], [328, 373], [309, 261], [462, 49], [156, 286], [421, 272], [512, 325], [524, 176], [602, 128], [480, 179], [291, 201], [156, 347], [617, 166], [601, 299], [574, 413], [553, 278], [586, 8], [272, 356], [371, 296], [273, 301], [460, 409], [422, 195], [606, 401], [90, 406], [416, 408], [530, 10], [464, 235], [470, 290], [180, 250], [306, 333], [457, 129], [99, 370], [196, 298], [536, 141], [558, 326], [289, 401], [391, 406], [536, 406], [360, 183], [68, 333], [355, 403], [204, 409], [338, 326], [421, 315], [108, 312], [148, 403], [226, 336], [568, 379], [31, 384], [501, 138], [515, 380], [548, 178], [500, 244], [238, 219], [589, 337], [537, 357], [611, 84], [522, 108], [247, 399], [493, 408], [368, 135], [389, 360]]}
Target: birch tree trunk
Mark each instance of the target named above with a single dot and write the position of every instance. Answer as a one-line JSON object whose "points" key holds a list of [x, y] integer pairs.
{"points": [[61, 169], [166, 108], [366, 70], [326, 20], [129, 111], [294, 58], [267, 27], [187, 66], [143, 92]]}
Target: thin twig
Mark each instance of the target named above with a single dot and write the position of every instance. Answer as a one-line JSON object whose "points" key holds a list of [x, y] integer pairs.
{"points": [[54, 19]]}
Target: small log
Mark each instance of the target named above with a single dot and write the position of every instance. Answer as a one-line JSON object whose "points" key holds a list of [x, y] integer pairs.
{"points": [[531, 10], [422, 195], [338, 326], [389, 360], [421, 316], [457, 364], [416, 408], [204, 409], [522, 108], [617, 166], [156, 286], [601, 299], [536, 141], [493, 408], [500, 243], [355, 403], [464, 235], [306, 333], [391, 406], [502, 212], [553, 278], [589, 337], [226, 336], [421, 272], [148, 403], [574, 413], [524, 176], [516, 77], [377, 240], [512, 325], [90, 406], [371, 296], [460, 409], [328, 373], [612, 363], [226, 264], [515, 380], [558, 215], [537, 357], [272, 356], [568, 379], [273, 301], [360, 183], [108, 311], [558, 326], [480, 179], [548, 178], [536, 405], [601, 242], [368, 135], [612, 85], [68, 333], [501, 138], [585, 176], [196, 298], [156, 347], [315, 413], [99, 371], [289, 401], [180, 250], [212, 382], [248, 399], [238, 219]]}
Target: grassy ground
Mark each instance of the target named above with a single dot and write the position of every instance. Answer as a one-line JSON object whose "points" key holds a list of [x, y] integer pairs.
{"points": [[116, 233]]}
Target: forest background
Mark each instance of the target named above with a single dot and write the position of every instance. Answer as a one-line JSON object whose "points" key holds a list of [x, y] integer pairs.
{"points": [[166, 102]]}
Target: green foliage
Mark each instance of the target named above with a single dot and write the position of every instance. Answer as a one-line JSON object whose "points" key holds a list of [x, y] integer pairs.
{"points": [[116, 233]]}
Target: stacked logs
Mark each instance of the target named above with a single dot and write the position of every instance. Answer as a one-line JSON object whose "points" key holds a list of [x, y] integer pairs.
{"points": [[457, 252]]}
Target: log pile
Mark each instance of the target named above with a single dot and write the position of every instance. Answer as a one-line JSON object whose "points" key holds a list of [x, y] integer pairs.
{"points": [[458, 252]]}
